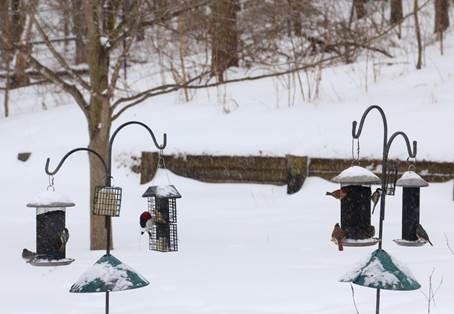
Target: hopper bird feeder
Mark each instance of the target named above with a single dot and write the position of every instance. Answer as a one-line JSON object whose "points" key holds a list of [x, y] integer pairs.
{"points": [[107, 201], [51, 232], [411, 183], [163, 210], [356, 205]]}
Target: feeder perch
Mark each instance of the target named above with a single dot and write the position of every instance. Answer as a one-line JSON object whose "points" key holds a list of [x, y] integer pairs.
{"points": [[411, 183], [107, 201], [356, 205], [381, 271], [108, 274], [163, 209], [50, 229]]}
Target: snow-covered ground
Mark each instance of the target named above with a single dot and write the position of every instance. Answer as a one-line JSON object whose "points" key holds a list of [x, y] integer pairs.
{"points": [[243, 249]]}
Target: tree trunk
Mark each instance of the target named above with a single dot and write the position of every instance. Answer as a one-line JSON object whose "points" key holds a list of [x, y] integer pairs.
{"points": [[295, 16], [418, 34], [79, 31], [441, 15], [360, 8], [396, 12], [99, 129], [224, 36]]}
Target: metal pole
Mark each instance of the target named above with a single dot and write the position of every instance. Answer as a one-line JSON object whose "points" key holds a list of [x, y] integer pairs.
{"points": [[107, 302], [386, 146]]}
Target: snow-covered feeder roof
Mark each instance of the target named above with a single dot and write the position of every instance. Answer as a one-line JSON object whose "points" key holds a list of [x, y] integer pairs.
{"points": [[108, 274], [411, 179], [50, 199], [380, 270], [162, 191], [356, 175]]}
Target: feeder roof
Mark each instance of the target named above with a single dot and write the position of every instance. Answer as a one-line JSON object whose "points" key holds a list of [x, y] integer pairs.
{"points": [[356, 175], [162, 191], [50, 199], [108, 274], [381, 271], [411, 179]]}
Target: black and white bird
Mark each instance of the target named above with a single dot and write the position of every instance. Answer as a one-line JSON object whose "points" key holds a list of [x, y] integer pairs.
{"points": [[375, 197], [422, 234], [28, 255], [64, 237]]}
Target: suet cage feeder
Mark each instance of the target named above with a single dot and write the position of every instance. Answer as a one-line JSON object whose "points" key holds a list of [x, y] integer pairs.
{"points": [[107, 201], [411, 183], [163, 210], [50, 228], [356, 205]]}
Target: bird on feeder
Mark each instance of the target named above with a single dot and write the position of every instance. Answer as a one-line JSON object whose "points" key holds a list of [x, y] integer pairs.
{"points": [[28, 255], [422, 234], [338, 194], [64, 237], [145, 222], [375, 197], [337, 236]]}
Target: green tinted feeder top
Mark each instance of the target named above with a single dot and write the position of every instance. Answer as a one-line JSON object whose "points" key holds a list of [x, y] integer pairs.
{"points": [[411, 179], [356, 175], [108, 274], [381, 271], [50, 201]]}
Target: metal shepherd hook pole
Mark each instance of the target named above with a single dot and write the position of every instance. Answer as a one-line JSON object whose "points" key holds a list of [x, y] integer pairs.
{"points": [[108, 171], [386, 147]]}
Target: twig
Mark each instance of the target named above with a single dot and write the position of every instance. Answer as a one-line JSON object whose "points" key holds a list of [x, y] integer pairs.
{"points": [[353, 297]]}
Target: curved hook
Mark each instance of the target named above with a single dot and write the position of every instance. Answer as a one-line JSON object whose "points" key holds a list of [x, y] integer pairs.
{"points": [[51, 173], [112, 138], [356, 134], [411, 152]]}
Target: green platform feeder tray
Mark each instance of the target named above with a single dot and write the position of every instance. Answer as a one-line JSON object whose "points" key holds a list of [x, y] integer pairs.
{"points": [[108, 274], [381, 271]]}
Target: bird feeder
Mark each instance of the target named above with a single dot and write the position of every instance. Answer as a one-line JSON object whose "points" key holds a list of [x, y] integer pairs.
{"points": [[356, 205], [107, 201], [51, 232], [163, 209], [411, 183]]}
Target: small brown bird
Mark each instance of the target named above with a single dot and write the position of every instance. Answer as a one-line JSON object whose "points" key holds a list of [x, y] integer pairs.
{"points": [[28, 255], [375, 197], [338, 194], [337, 236], [422, 234]]}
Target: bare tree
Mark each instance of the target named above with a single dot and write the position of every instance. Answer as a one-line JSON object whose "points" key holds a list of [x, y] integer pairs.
{"points": [[441, 15], [418, 34], [396, 15]]}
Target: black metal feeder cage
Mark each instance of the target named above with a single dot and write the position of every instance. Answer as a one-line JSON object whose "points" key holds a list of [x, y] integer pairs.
{"points": [[356, 205], [163, 210], [107, 201], [51, 232], [411, 183], [391, 178]]}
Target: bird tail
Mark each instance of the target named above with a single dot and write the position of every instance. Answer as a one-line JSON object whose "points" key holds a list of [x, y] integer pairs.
{"points": [[430, 242], [340, 245], [373, 209]]}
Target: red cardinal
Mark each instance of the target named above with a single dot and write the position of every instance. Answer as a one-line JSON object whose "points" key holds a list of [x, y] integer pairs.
{"points": [[145, 220], [338, 194], [338, 236]]}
